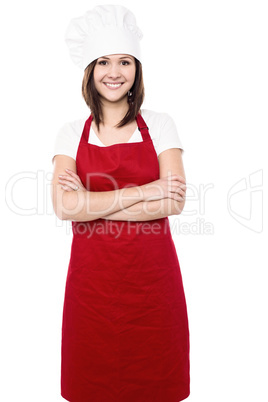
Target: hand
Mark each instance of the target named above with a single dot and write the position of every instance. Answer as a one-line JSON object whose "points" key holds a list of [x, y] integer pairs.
{"points": [[71, 181], [172, 186]]}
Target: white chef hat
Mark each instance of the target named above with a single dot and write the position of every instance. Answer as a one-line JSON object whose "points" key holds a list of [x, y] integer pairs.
{"points": [[105, 30]]}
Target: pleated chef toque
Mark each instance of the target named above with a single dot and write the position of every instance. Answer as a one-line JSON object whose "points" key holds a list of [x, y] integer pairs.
{"points": [[105, 30]]}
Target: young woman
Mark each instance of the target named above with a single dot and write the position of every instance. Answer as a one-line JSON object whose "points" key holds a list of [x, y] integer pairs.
{"points": [[118, 175]]}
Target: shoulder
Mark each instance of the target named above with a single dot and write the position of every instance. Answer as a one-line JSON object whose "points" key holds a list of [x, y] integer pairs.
{"points": [[160, 124], [162, 129], [68, 137], [156, 118], [72, 128]]}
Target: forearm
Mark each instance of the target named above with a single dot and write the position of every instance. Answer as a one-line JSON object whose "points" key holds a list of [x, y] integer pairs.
{"points": [[89, 205], [148, 210], [86, 205]]}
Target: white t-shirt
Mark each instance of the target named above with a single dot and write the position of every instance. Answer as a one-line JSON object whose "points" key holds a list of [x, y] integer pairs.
{"points": [[162, 130]]}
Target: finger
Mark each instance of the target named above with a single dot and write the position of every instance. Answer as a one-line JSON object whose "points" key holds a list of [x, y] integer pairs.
{"points": [[177, 183], [177, 177], [178, 197], [72, 184], [74, 176], [178, 194], [68, 178], [72, 173], [175, 186], [178, 188], [66, 188]]}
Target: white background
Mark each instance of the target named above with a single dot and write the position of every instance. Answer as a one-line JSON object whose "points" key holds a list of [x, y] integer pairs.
{"points": [[205, 63]]}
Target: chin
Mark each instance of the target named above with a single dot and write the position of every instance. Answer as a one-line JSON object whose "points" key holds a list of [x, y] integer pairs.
{"points": [[115, 99]]}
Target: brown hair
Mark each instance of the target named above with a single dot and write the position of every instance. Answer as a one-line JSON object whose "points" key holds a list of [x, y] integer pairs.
{"points": [[93, 101]]}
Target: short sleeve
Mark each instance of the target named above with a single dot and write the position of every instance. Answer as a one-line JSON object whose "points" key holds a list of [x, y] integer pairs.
{"points": [[67, 139], [168, 137]]}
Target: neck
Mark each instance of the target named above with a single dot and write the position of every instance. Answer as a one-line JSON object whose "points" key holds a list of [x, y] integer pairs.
{"points": [[113, 113]]}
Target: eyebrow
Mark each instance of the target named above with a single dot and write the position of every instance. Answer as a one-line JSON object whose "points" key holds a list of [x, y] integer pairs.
{"points": [[124, 57]]}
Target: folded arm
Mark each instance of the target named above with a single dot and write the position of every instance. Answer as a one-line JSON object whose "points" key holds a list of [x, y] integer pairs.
{"points": [[170, 163], [84, 205], [148, 210]]}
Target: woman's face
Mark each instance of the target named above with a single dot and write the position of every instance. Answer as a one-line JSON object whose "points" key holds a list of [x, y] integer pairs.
{"points": [[114, 76]]}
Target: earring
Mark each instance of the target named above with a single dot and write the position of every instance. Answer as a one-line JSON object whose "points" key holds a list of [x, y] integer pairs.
{"points": [[130, 100]]}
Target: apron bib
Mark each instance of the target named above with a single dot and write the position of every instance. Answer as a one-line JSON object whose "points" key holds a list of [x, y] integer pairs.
{"points": [[125, 335]]}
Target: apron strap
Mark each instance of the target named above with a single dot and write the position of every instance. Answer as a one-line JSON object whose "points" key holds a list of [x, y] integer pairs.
{"points": [[85, 133], [144, 129], [141, 126]]}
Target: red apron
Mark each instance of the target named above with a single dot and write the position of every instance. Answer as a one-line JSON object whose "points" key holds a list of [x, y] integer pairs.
{"points": [[125, 335]]}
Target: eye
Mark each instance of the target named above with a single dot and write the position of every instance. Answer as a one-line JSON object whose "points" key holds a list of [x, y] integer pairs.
{"points": [[125, 62], [102, 62]]}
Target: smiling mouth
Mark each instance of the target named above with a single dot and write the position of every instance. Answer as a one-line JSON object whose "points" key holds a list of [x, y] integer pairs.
{"points": [[113, 86]]}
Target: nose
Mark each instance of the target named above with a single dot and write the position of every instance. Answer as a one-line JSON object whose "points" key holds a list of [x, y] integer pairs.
{"points": [[114, 71]]}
